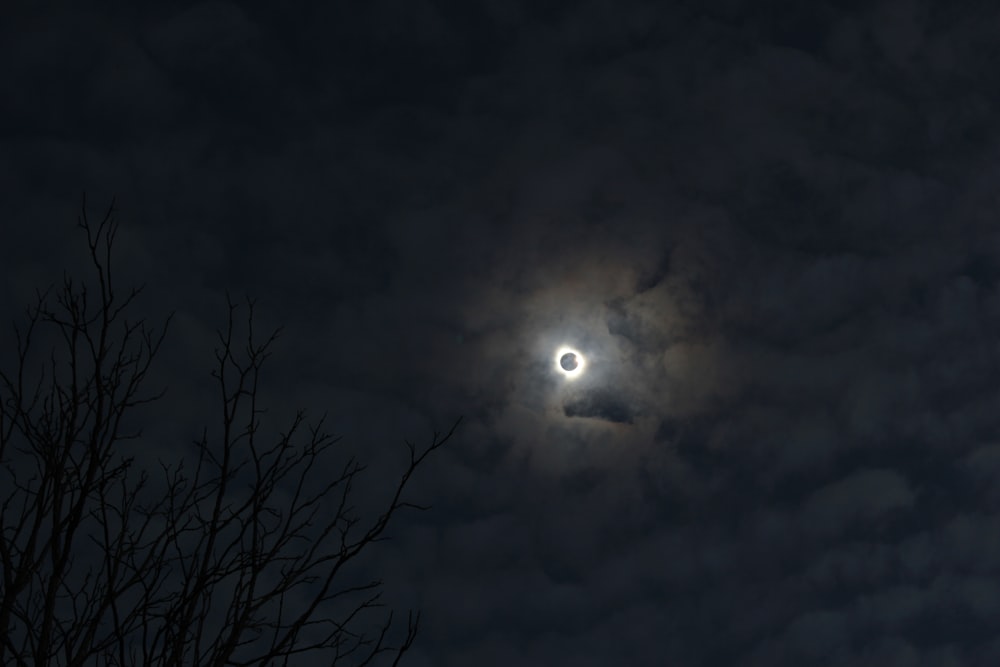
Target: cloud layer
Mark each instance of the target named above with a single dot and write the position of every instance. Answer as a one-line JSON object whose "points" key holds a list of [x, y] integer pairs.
{"points": [[770, 228]]}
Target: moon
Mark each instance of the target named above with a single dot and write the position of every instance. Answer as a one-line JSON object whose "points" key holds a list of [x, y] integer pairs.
{"points": [[569, 362]]}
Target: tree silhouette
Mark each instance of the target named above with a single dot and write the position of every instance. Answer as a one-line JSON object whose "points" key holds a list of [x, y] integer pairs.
{"points": [[234, 555]]}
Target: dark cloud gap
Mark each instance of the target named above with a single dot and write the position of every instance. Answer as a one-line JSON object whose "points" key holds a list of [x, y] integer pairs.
{"points": [[600, 404]]}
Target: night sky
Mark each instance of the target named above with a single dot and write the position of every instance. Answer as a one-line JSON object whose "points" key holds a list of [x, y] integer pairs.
{"points": [[771, 230]]}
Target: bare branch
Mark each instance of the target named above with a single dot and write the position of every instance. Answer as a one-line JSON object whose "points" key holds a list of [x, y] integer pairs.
{"points": [[237, 554]]}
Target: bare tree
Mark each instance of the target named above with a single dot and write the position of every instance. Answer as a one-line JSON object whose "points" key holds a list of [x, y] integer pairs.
{"points": [[235, 555]]}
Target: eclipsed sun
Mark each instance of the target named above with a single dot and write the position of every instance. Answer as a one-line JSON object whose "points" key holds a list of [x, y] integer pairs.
{"points": [[570, 362]]}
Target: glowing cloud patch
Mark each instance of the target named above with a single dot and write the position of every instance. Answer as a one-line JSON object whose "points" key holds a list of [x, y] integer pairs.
{"points": [[569, 362]]}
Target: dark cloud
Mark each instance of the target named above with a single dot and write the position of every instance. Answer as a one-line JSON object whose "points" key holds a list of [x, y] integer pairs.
{"points": [[769, 228], [599, 404]]}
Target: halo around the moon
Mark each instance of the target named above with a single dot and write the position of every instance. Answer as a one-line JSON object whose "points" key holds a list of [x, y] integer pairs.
{"points": [[570, 362]]}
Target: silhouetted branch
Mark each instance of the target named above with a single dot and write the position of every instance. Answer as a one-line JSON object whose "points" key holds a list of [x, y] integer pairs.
{"points": [[239, 557]]}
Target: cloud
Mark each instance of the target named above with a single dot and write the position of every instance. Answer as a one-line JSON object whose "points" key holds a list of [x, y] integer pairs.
{"points": [[599, 404], [865, 496], [771, 232]]}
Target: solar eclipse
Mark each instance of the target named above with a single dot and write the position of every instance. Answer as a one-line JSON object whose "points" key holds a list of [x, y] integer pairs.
{"points": [[569, 362]]}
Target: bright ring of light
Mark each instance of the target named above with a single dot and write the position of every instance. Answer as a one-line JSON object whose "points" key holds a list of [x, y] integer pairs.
{"points": [[568, 370]]}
